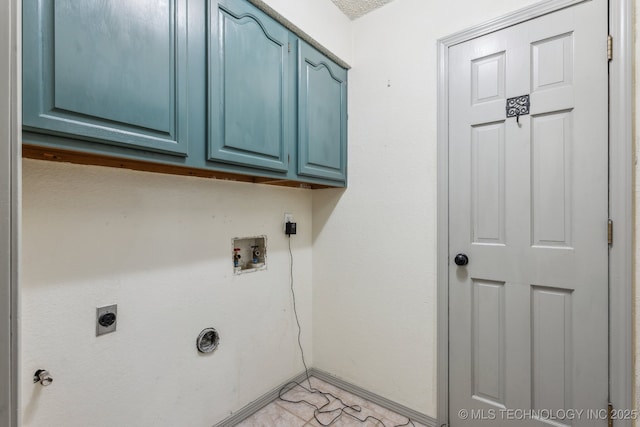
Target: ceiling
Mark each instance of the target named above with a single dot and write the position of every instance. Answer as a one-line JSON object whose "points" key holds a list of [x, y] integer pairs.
{"points": [[356, 8]]}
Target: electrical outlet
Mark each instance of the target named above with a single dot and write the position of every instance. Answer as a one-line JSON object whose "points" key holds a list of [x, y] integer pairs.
{"points": [[106, 319], [288, 217]]}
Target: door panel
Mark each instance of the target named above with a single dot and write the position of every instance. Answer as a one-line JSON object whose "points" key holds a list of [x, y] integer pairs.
{"points": [[89, 65], [551, 330], [487, 188], [488, 351], [109, 71], [551, 165], [249, 102], [487, 79], [322, 116], [528, 198]]}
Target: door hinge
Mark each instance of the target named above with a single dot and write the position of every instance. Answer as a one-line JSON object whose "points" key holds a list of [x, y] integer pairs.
{"points": [[609, 47], [610, 232], [289, 47], [610, 415]]}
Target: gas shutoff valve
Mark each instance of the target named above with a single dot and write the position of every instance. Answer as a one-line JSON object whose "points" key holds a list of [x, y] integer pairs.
{"points": [[236, 257], [43, 377], [256, 254]]}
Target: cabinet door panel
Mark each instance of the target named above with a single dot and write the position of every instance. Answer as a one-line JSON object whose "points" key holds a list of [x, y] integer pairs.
{"points": [[322, 116], [248, 82], [112, 71]]}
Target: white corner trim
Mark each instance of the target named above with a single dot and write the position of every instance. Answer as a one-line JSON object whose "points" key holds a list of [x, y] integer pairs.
{"points": [[443, 235], [10, 158], [621, 166]]}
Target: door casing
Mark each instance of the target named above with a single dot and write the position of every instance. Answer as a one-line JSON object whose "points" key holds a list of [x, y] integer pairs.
{"points": [[10, 131], [620, 195]]}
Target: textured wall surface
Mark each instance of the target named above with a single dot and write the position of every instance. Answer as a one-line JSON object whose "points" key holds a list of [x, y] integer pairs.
{"points": [[374, 250], [160, 247]]}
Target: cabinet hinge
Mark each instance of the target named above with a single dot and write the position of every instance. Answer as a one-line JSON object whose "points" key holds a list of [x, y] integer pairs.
{"points": [[289, 47], [610, 415], [610, 232], [609, 47]]}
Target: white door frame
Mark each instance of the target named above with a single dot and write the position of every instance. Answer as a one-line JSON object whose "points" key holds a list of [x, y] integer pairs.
{"points": [[10, 134], [620, 195]]}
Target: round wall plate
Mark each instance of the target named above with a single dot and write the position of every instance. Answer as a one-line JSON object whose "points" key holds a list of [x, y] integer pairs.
{"points": [[208, 340]]}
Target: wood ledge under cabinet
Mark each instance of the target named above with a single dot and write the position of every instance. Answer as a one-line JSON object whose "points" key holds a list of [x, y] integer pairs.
{"points": [[69, 156]]}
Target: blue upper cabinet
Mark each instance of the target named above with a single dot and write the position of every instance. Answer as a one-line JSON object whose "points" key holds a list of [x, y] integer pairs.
{"points": [[111, 71], [212, 88], [250, 104], [322, 116]]}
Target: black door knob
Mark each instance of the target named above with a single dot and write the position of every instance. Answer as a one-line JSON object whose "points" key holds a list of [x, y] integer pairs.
{"points": [[461, 259]]}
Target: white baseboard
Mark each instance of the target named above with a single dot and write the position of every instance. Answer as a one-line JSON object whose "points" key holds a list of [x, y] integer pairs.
{"points": [[269, 397]]}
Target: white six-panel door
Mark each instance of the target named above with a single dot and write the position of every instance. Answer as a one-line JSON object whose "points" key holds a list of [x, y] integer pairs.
{"points": [[528, 205]]}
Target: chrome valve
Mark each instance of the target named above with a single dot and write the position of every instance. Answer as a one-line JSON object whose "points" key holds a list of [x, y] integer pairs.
{"points": [[43, 377]]}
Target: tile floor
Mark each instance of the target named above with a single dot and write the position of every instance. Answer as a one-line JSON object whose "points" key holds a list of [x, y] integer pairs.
{"points": [[284, 414]]}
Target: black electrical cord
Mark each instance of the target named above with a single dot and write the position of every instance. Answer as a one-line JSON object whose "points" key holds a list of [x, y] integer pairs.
{"points": [[344, 409], [295, 312]]}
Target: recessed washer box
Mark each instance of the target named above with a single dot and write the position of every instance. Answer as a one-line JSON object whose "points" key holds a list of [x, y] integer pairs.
{"points": [[249, 254]]}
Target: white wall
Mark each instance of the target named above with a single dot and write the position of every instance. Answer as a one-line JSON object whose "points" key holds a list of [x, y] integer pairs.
{"points": [[322, 20], [374, 249], [160, 247]]}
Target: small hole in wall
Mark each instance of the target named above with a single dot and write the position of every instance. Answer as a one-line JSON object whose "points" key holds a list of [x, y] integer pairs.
{"points": [[249, 254]]}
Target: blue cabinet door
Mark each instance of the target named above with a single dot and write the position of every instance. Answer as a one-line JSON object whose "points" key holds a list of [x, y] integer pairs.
{"points": [[249, 99], [322, 116], [111, 71]]}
